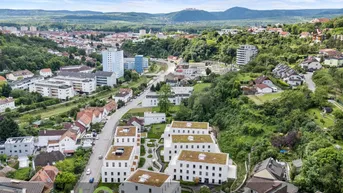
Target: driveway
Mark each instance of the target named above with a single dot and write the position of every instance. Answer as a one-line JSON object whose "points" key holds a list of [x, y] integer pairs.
{"points": [[105, 140], [308, 79]]}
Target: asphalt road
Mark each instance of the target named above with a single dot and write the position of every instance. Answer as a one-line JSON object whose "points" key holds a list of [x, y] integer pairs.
{"points": [[106, 137], [308, 79]]}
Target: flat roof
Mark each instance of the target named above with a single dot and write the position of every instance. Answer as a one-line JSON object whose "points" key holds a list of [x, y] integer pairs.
{"points": [[127, 151], [191, 138], [148, 178], [189, 125], [126, 131], [203, 157]]}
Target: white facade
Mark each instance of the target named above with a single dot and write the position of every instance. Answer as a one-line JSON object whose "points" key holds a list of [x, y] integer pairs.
{"points": [[152, 118], [149, 182], [19, 146], [6, 103], [84, 85], [142, 32], [264, 89], [124, 95], [245, 53], [204, 167], [48, 135], [105, 79], [113, 61], [25, 83], [178, 94], [53, 89], [126, 135], [45, 73]]}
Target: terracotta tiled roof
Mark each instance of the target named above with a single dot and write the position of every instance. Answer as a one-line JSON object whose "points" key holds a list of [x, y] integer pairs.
{"points": [[47, 175], [69, 134], [45, 70], [135, 119], [260, 79], [110, 106], [2, 78], [261, 86]]}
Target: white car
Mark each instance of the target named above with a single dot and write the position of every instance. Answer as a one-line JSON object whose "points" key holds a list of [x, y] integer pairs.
{"points": [[88, 172]]}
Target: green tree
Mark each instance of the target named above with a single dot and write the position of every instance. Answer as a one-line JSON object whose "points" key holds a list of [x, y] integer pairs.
{"points": [[6, 90], [208, 71], [65, 181], [8, 128], [163, 99], [205, 189]]}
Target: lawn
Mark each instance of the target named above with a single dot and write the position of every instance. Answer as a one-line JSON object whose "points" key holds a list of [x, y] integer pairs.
{"points": [[156, 131], [172, 109], [323, 121], [260, 99], [200, 87], [247, 77]]}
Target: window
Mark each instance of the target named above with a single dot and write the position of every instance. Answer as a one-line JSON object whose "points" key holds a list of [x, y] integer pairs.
{"points": [[192, 146], [183, 131], [178, 131], [213, 168], [105, 173], [186, 146], [188, 131], [206, 173], [136, 188], [220, 175], [187, 177], [200, 166], [112, 173], [206, 167], [112, 179], [175, 151], [187, 165], [181, 165], [125, 164], [113, 164], [193, 166], [150, 190], [212, 181], [174, 170], [180, 171], [124, 173], [200, 173], [105, 179], [220, 169], [118, 173], [209, 146], [119, 164], [213, 174], [203, 147], [169, 152], [197, 146], [175, 146], [193, 132], [187, 171], [193, 172]]}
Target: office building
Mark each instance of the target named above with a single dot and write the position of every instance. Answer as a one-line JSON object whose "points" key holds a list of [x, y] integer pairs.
{"points": [[139, 64], [202, 167], [54, 89], [19, 146], [245, 54], [130, 63], [149, 182], [113, 61]]}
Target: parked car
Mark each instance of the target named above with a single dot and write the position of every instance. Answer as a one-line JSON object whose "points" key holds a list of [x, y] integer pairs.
{"points": [[88, 172], [100, 157], [91, 180]]}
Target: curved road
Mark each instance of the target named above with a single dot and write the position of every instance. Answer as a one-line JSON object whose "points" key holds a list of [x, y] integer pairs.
{"points": [[106, 137]]}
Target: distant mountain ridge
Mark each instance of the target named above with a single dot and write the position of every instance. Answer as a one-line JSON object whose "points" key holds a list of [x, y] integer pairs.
{"points": [[187, 15]]}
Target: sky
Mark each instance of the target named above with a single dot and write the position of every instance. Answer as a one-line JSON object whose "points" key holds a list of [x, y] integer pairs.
{"points": [[165, 6]]}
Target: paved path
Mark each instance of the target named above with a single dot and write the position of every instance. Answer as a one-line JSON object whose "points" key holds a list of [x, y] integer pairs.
{"points": [[105, 140], [336, 104], [310, 84]]}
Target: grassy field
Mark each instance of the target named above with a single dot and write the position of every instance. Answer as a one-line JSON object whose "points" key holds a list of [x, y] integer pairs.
{"points": [[260, 99], [156, 131], [325, 121], [246, 77], [200, 87]]}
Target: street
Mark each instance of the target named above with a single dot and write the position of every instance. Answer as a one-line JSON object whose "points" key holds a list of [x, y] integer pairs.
{"points": [[308, 79], [106, 137]]}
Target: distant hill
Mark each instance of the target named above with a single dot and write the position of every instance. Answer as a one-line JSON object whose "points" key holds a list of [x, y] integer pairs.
{"points": [[189, 15]]}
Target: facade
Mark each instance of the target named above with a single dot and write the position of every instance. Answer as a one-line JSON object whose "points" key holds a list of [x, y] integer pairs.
{"points": [[6, 103], [113, 61], [105, 78], [124, 94], [54, 89], [19, 146], [149, 181], [178, 94], [245, 53], [79, 84], [263, 88], [44, 136], [130, 63], [311, 65], [67, 143], [153, 118], [334, 61], [21, 74], [139, 64], [24, 84], [204, 167], [46, 72]]}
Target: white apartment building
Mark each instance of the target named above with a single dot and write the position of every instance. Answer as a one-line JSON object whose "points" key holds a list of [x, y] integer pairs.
{"points": [[79, 84], [245, 53], [178, 94], [6, 103], [105, 78], [149, 182], [24, 84], [113, 61], [126, 135], [54, 89], [19, 146], [152, 118], [202, 167], [118, 163]]}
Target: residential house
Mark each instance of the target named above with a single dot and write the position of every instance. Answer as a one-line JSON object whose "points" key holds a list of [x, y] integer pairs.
{"points": [[48, 158], [173, 79], [204, 167], [320, 20], [137, 122], [266, 81], [246, 53], [263, 88], [294, 80], [265, 185], [305, 35], [19, 146], [149, 181], [46, 72], [67, 143], [47, 175], [248, 90], [124, 94], [6, 103], [91, 115], [330, 53], [153, 118], [289, 75], [311, 64], [285, 34], [44, 136], [19, 186], [20, 74], [53, 89], [334, 61], [2, 79]]}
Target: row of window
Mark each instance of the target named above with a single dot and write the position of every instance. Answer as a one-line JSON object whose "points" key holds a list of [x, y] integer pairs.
{"points": [[192, 146], [128, 140], [112, 180], [114, 164], [206, 180], [200, 173], [118, 173], [17, 151], [19, 145], [188, 131], [200, 167]]}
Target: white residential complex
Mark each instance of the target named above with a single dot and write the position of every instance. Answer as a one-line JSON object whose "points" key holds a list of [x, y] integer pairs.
{"points": [[245, 53], [181, 135], [123, 157], [178, 94], [203, 167], [79, 84], [113, 61], [54, 89], [152, 118], [149, 182], [6, 103], [19, 146]]}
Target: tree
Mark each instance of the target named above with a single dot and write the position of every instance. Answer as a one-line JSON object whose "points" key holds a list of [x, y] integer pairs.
{"points": [[152, 88], [134, 76], [208, 71], [120, 104], [163, 99], [65, 180], [6, 90], [8, 128], [205, 189]]}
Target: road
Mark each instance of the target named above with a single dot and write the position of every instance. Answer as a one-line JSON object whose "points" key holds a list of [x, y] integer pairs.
{"points": [[106, 137], [308, 79]]}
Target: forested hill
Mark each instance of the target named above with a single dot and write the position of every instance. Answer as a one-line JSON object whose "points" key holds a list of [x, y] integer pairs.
{"points": [[187, 15]]}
